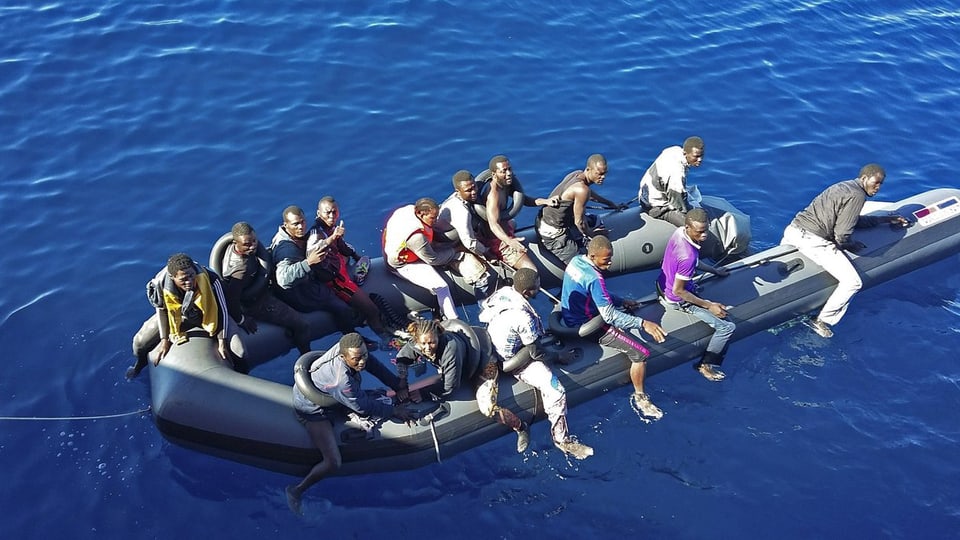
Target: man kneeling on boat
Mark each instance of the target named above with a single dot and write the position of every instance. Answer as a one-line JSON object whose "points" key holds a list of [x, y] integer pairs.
{"points": [[336, 381], [516, 329]]}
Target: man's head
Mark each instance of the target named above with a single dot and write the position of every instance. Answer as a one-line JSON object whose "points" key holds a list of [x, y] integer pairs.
{"points": [[871, 178], [696, 224], [693, 151], [426, 210], [425, 335], [501, 171], [244, 238], [294, 223], [464, 185], [600, 252], [328, 211], [596, 169], [526, 281], [354, 351], [182, 270]]}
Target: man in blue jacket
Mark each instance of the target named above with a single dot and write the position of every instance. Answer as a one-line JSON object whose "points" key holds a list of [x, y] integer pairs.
{"points": [[585, 296]]}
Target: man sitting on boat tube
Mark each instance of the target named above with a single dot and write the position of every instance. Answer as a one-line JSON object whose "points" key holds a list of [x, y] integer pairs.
{"points": [[409, 250], [336, 376], [186, 295], [328, 230], [677, 291], [296, 272], [497, 230], [562, 229], [457, 365], [663, 188], [515, 329], [246, 288], [585, 296]]}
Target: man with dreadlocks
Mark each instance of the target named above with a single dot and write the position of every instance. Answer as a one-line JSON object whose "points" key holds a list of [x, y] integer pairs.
{"points": [[449, 352]]}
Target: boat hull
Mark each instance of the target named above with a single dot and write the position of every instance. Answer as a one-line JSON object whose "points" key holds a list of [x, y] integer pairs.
{"points": [[200, 403]]}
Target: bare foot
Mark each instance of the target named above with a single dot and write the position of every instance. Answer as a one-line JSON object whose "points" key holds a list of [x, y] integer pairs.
{"points": [[133, 371], [293, 500]]}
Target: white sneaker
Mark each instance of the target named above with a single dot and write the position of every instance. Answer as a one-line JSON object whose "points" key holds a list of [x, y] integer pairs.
{"points": [[523, 439], [574, 448], [643, 406], [821, 328]]}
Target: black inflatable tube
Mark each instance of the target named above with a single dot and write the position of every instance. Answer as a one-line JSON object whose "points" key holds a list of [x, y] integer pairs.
{"points": [[301, 377], [219, 251], [484, 179]]}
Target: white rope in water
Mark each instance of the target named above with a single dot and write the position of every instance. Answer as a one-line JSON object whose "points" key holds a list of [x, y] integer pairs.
{"points": [[62, 418]]}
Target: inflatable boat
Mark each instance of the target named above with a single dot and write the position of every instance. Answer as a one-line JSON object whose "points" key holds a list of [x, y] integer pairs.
{"points": [[200, 403]]}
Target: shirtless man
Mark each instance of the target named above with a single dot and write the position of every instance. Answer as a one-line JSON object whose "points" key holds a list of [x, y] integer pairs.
{"points": [[497, 231], [562, 229]]}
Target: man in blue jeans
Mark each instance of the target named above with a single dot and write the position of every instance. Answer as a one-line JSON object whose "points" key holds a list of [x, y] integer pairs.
{"points": [[678, 291]]}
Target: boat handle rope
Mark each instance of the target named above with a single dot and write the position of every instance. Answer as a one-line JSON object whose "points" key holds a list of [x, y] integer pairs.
{"points": [[64, 418], [429, 419], [436, 440]]}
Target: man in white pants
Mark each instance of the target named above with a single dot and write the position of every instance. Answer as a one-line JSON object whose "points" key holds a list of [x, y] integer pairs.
{"points": [[515, 329], [822, 232], [409, 250]]}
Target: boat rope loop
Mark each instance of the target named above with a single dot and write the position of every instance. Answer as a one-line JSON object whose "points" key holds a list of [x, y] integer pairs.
{"points": [[430, 419], [436, 441], [63, 418]]}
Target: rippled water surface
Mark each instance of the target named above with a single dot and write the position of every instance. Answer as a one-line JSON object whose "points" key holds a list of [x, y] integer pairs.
{"points": [[132, 130]]}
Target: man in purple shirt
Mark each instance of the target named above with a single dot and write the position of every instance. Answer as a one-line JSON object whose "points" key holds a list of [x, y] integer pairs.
{"points": [[678, 291]]}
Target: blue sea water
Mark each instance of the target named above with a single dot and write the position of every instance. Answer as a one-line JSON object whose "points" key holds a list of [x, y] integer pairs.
{"points": [[131, 130]]}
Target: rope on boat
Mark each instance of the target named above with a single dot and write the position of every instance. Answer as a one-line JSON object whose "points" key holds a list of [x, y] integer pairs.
{"points": [[436, 440], [63, 418]]}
